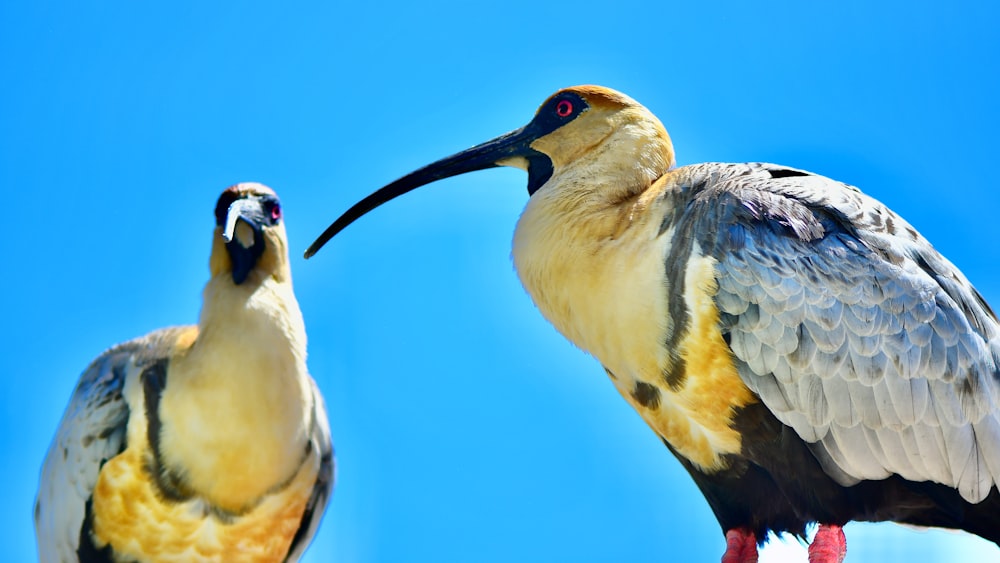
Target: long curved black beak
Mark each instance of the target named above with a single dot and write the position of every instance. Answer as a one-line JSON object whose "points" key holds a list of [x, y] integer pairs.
{"points": [[480, 157], [244, 252]]}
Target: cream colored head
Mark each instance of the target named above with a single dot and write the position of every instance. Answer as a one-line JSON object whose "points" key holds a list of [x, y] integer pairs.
{"points": [[611, 143], [608, 140], [249, 240]]}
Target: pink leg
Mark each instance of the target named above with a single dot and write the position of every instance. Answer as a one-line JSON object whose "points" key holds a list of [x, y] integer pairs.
{"points": [[741, 546], [829, 545]]}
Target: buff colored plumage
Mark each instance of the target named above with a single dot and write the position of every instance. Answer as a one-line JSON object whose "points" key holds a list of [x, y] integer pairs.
{"points": [[198, 443], [802, 350]]}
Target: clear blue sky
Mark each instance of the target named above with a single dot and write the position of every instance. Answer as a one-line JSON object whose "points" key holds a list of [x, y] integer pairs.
{"points": [[466, 428]]}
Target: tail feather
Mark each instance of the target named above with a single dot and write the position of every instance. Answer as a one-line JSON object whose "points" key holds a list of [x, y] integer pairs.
{"points": [[983, 519], [948, 509]]}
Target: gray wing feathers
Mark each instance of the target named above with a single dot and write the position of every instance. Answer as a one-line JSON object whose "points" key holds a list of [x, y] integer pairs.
{"points": [[852, 329], [92, 431], [324, 480]]}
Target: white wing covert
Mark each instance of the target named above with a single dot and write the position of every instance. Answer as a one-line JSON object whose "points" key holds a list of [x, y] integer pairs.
{"points": [[852, 329], [91, 431]]}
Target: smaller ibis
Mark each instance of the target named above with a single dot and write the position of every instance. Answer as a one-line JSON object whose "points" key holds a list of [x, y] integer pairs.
{"points": [[197, 443], [805, 353]]}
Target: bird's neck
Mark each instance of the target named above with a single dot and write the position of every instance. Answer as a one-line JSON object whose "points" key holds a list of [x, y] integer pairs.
{"points": [[592, 264], [599, 275], [236, 407]]}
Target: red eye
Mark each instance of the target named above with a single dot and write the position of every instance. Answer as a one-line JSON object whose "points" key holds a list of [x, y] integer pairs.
{"points": [[276, 212], [564, 108]]}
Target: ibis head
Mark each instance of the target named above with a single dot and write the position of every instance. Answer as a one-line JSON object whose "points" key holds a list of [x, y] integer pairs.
{"points": [[249, 228], [588, 127]]}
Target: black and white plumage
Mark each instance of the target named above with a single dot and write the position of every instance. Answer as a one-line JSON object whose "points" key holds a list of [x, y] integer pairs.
{"points": [[198, 443], [852, 329], [859, 339]]}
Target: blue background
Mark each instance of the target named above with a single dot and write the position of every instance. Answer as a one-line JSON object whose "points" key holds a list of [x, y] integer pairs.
{"points": [[466, 428]]}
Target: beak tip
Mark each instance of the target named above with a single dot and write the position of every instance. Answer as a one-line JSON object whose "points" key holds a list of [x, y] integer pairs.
{"points": [[313, 248]]}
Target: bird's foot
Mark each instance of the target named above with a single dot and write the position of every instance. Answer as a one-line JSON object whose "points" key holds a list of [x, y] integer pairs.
{"points": [[829, 545], [741, 546]]}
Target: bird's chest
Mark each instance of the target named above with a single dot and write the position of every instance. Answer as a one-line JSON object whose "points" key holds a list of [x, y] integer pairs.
{"points": [[133, 517], [613, 300], [235, 411], [609, 299]]}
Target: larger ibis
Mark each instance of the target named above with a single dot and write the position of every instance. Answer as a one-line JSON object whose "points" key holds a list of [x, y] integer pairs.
{"points": [[804, 352]]}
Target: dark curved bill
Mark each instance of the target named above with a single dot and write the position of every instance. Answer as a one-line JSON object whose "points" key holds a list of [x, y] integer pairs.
{"points": [[480, 157], [249, 209], [244, 251]]}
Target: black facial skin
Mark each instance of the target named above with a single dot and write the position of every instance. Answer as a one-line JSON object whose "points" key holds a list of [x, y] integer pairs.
{"points": [[256, 211]]}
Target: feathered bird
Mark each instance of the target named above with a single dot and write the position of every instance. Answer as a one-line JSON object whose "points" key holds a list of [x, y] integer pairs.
{"points": [[804, 352], [198, 443]]}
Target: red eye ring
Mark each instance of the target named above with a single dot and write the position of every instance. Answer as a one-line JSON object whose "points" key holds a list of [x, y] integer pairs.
{"points": [[276, 212], [564, 108]]}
